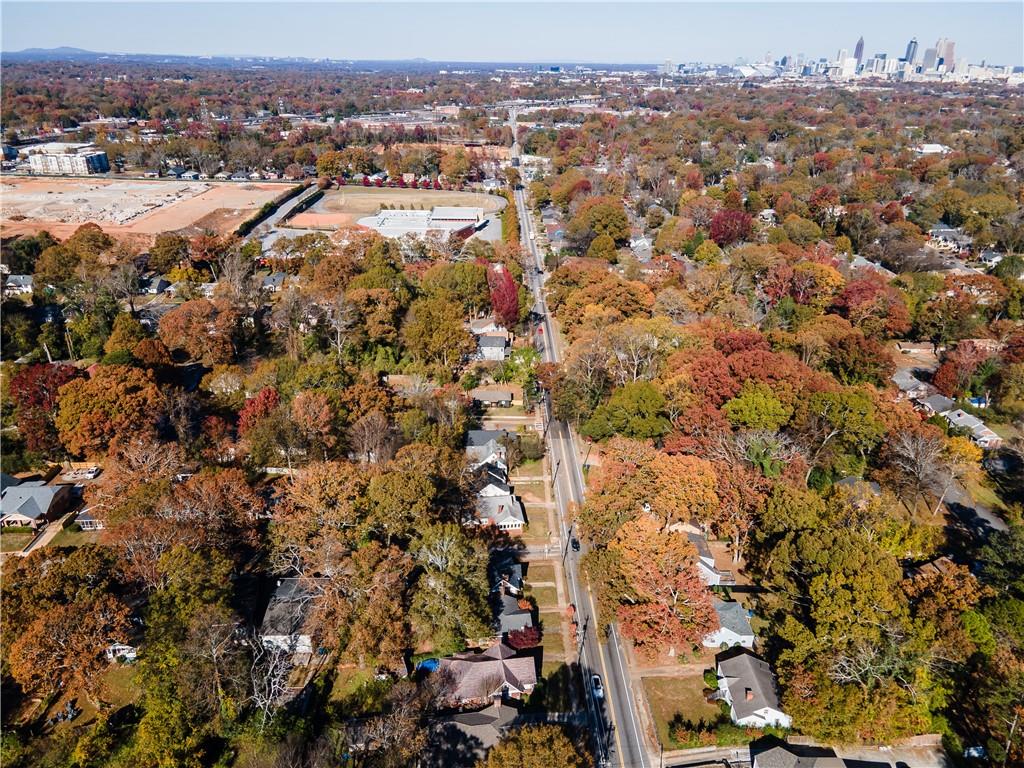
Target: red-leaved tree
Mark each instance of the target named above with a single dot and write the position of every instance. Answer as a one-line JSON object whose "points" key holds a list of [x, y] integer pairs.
{"points": [[257, 408], [729, 226], [528, 637], [504, 296], [34, 392]]}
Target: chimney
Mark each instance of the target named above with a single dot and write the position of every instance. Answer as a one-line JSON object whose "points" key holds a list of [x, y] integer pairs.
{"points": [[749, 695]]}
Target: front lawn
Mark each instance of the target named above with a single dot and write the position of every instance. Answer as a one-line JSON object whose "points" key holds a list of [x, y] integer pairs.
{"points": [[546, 597], [552, 642], [538, 573], [74, 536], [677, 697], [537, 531], [15, 538]]}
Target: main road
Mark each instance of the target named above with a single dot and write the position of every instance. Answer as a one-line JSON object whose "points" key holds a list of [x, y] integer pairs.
{"points": [[617, 733]]}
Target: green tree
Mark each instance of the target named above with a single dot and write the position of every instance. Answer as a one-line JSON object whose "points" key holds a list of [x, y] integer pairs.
{"points": [[757, 407], [536, 746], [169, 250], [635, 410], [434, 333], [602, 247]]}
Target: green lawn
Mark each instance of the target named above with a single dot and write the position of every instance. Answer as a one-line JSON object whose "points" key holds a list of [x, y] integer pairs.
{"points": [[672, 696], [533, 489], [983, 494], [553, 643], [537, 530], [355, 692], [15, 539], [552, 691], [73, 536], [119, 687], [546, 597], [539, 572]]}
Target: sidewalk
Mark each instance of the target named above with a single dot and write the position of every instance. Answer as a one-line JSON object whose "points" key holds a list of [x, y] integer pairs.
{"points": [[46, 536]]}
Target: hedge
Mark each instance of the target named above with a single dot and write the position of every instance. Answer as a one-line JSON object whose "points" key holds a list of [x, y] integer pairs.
{"points": [[269, 208]]}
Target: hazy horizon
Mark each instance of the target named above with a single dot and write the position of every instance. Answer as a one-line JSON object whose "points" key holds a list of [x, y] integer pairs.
{"points": [[517, 32]]}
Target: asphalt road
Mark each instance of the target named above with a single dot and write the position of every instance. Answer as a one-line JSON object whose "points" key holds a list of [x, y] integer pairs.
{"points": [[619, 739]]}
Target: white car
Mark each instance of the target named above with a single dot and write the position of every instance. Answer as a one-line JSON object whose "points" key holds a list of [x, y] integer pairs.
{"points": [[595, 683]]}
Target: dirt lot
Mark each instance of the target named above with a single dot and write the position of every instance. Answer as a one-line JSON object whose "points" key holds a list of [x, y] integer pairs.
{"points": [[342, 207], [129, 206]]}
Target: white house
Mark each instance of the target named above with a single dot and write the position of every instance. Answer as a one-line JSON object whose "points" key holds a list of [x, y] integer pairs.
{"points": [[492, 346], [747, 684], [910, 387], [483, 446], [18, 284], [282, 626], [503, 512], [979, 433], [492, 480], [733, 627], [706, 568]]}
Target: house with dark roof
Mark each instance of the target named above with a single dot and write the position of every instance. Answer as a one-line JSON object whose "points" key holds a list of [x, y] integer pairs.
{"points": [[509, 615], [491, 480], [910, 387], [464, 738], [770, 752], [935, 404], [497, 672], [706, 568], [284, 621], [499, 397], [34, 504], [484, 446], [733, 627], [747, 684]]}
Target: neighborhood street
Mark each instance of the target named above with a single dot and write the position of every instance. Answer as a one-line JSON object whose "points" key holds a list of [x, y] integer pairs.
{"points": [[614, 714]]}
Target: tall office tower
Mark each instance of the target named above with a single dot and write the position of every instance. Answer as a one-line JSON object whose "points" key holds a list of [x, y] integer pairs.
{"points": [[911, 56], [843, 55], [930, 56], [946, 50], [858, 51]]}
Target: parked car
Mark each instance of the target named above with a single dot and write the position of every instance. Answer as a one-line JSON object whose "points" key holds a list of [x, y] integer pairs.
{"points": [[575, 544]]}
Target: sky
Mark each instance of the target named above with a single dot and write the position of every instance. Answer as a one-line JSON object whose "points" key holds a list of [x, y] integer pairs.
{"points": [[518, 31]]}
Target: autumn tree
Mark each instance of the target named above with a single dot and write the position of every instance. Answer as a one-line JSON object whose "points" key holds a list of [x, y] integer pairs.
{"points": [[35, 390], [117, 401], [434, 333], [536, 746], [203, 329], [504, 296]]}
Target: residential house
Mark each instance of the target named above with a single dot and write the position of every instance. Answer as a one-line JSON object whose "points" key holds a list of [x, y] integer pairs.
{"points": [[935, 404], [768, 217], [495, 673], [910, 387], [492, 346], [121, 652], [18, 284], [485, 325], [733, 627], [503, 512], [775, 753], [154, 285], [860, 263], [491, 480], [706, 568], [189, 176], [285, 616], [510, 616], [976, 428], [274, 283], [747, 684], [484, 446], [34, 504], [472, 733], [501, 398], [642, 249]]}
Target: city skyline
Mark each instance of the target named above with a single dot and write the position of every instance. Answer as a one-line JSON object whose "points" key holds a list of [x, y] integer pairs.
{"points": [[530, 33]]}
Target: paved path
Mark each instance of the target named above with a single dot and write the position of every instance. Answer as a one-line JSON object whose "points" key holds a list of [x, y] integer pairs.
{"points": [[46, 537]]}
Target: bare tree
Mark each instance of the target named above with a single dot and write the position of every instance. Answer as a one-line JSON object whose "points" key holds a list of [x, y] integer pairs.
{"points": [[123, 281], [342, 317], [268, 677], [917, 457], [371, 438]]}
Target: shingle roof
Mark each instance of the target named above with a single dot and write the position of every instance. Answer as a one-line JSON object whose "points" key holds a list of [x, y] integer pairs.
{"points": [[480, 675], [31, 500], [746, 672], [500, 510], [733, 616]]}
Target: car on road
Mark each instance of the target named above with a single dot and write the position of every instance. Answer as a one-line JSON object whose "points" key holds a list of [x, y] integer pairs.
{"points": [[595, 683], [575, 544]]}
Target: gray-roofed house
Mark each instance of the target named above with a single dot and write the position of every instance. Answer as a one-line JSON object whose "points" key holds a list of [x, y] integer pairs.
{"points": [[483, 728], [492, 346], [285, 616], [496, 672], [747, 684], [771, 752], [706, 568], [18, 284], [499, 397], [503, 512], [979, 432], [733, 627], [483, 446], [911, 387], [935, 404], [510, 616], [274, 283], [485, 325], [491, 480], [33, 503]]}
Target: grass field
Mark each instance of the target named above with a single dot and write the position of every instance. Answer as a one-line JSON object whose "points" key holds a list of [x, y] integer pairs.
{"points": [[546, 597], [553, 642], [15, 539], [537, 531], [671, 696], [73, 536], [540, 572]]}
